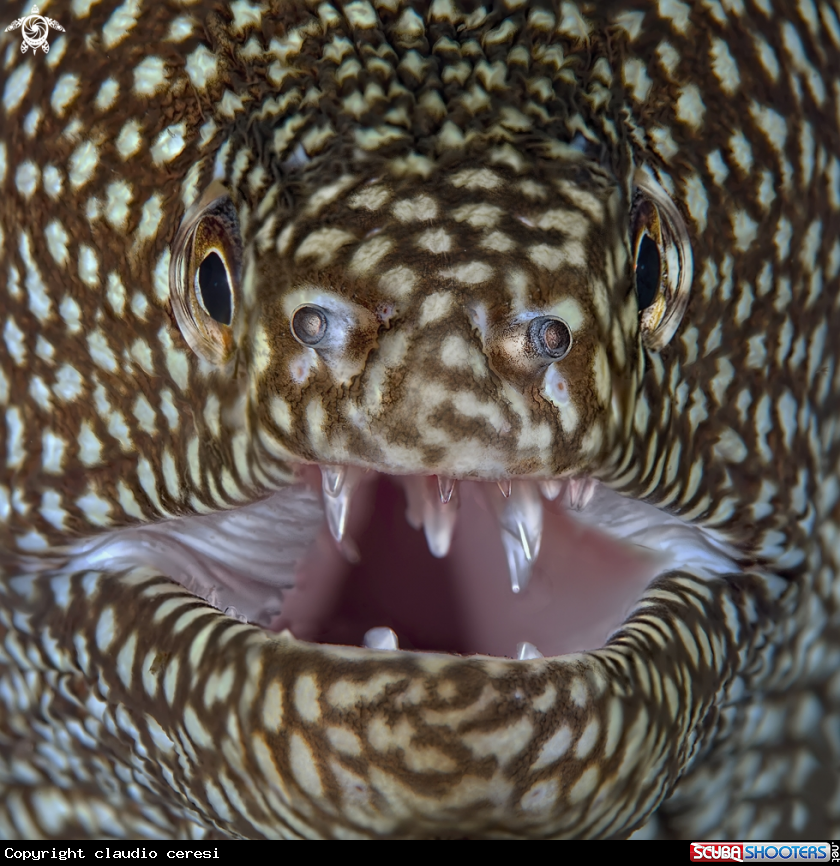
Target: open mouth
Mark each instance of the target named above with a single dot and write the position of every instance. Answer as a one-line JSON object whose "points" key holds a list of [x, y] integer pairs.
{"points": [[514, 568]]}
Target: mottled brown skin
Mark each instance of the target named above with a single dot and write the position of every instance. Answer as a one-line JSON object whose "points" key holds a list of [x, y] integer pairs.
{"points": [[715, 706]]}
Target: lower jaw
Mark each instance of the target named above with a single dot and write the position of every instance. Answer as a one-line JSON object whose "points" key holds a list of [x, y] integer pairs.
{"points": [[576, 745]]}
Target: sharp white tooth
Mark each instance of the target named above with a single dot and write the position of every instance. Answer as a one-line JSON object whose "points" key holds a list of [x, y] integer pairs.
{"points": [[445, 487], [383, 638], [581, 491], [524, 651], [551, 488], [504, 486], [337, 505], [332, 479], [438, 520], [439, 525], [521, 520]]}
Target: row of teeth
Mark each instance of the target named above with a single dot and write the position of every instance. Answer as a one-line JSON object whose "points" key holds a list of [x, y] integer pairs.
{"points": [[384, 638], [433, 507]]}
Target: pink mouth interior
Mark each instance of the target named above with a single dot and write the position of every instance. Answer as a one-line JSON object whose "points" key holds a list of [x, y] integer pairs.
{"points": [[583, 585]]}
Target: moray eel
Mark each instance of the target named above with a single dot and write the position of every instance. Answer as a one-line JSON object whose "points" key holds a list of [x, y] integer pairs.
{"points": [[553, 285]]}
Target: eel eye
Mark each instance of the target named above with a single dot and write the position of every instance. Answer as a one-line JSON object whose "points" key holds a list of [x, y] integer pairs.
{"points": [[214, 290], [309, 324], [549, 337], [204, 275], [648, 271], [664, 263]]}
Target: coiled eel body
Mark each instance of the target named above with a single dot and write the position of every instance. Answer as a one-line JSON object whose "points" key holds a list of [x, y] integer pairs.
{"points": [[588, 251]]}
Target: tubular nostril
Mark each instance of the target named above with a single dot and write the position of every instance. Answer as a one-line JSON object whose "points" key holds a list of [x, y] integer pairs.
{"points": [[309, 324], [550, 337]]}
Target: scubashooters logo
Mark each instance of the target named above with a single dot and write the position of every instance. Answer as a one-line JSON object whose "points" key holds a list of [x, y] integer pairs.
{"points": [[765, 852], [35, 29]]}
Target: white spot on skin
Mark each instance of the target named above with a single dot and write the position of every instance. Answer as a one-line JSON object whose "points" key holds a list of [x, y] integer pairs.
{"points": [[53, 181], [480, 215], [149, 76], [118, 198], [303, 766], [551, 257], [68, 383], [52, 452], [71, 314], [420, 209], [90, 448], [39, 393], [741, 151], [696, 200], [145, 415], [398, 281], [725, 67], [476, 178], [636, 79], [772, 124], [121, 23], [17, 86], [88, 266], [663, 142], [322, 244], [32, 121], [26, 178], [13, 337], [745, 230], [368, 256], [129, 140], [57, 239], [370, 198], [690, 107], [169, 143], [107, 95], [541, 797], [140, 308], [565, 221], [469, 274], [436, 241], [51, 509], [83, 162], [65, 91], [95, 509], [15, 453], [305, 696], [435, 307], [498, 242], [677, 12], [717, 167], [328, 194], [32, 542], [176, 360], [150, 216]]}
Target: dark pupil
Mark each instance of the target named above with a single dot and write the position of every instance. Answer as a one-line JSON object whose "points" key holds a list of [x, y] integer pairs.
{"points": [[309, 325], [648, 272], [215, 289]]}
